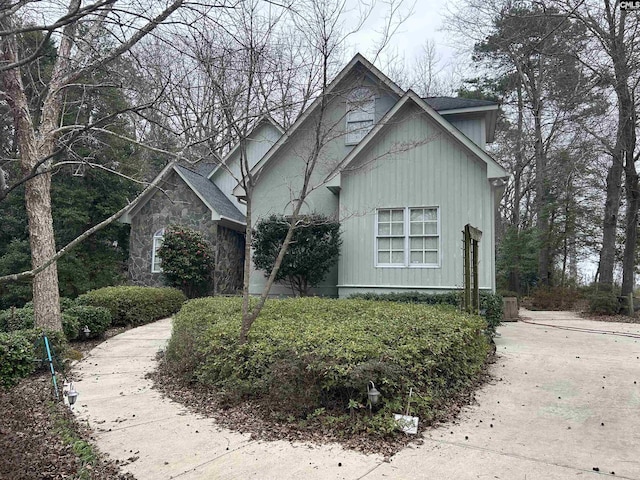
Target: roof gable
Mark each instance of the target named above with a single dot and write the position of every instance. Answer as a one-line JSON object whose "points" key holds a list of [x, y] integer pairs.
{"points": [[356, 61], [220, 206], [494, 170]]}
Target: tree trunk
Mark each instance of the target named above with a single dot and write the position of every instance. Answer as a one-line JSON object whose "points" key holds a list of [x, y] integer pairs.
{"points": [[632, 195], [609, 225], [46, 297]]}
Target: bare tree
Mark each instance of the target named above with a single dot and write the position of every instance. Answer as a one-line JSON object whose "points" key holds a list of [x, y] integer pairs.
{"points": [[78, 31]]}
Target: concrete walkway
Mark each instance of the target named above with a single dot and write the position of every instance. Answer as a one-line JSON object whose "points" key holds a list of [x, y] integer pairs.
{"points": [[564, 401]]}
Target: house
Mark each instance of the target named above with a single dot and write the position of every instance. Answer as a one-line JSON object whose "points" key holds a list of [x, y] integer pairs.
{"points": [[199, 198], [403, 174]]}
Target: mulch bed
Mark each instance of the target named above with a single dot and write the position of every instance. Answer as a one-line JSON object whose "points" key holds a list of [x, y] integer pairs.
{"points": [[611, 318], [249, 417], [30, 446]]}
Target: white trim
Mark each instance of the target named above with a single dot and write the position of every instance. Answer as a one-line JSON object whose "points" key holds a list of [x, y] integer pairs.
{"points": [[494, 170], [412, 287], [158, 236], [358, 58], [406, 234], [455, 111]]}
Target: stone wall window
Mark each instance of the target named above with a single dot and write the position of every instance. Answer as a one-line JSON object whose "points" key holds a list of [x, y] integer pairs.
{"points": [[156, 261]]}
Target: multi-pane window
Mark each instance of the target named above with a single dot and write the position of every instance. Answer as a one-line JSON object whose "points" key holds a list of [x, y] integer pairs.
{"points": [[156, 261], [390, 236], [423, 236], [361, 108], [408, 237]]}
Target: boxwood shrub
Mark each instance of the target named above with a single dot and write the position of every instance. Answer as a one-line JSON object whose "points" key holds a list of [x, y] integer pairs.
{"points": [[130, 305], [24, 318], [21, 350], [311, 358], [491, 304], [97, 319]]}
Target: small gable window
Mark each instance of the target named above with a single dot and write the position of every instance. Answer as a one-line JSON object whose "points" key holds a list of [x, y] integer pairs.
{"points": [[361, 108], [156, 261]]}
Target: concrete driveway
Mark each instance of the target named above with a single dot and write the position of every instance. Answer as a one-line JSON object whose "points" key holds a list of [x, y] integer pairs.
{"points": [[564, 403]]}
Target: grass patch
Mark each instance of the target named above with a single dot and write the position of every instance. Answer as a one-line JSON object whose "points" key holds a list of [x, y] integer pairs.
{"points": [[308, 360]]}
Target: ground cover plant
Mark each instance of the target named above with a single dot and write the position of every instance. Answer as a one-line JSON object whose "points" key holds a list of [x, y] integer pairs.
{"points": [[308, 361]]}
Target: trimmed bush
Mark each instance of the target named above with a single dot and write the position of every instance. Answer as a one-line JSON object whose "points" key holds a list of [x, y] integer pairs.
{"points": [[135, 305], [312, 357], [20, 349], [490, 303], [98, 319], [16, 358], [24, 319], [604, 303], [187, 261]]}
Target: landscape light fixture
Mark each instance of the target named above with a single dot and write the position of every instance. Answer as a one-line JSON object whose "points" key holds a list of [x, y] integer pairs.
{"points": [[86, 331], [373, 393], [72, 395]]}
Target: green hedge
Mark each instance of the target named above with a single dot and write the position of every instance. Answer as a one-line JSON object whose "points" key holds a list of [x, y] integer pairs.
{"points": [[20, 350], [135, 305], [24, 318], [604, 303], [312, 358], [97, 319], [491, 304]]}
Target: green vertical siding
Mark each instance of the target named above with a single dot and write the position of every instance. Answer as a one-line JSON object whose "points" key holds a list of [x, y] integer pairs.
{"points": [[435, 171], [280, 182]]}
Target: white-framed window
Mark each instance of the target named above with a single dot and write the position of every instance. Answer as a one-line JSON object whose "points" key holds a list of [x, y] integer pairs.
{"points": [[361, 109], [156, 261], [408, 237]]}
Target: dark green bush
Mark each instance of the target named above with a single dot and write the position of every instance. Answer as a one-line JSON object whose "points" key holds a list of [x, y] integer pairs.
{"points": [[604, 303], [20, 351], [16, 358], [16, 319], [97, 319], [313, 357], [70, 326], [187, 261], [135, 305], [23, 319], [490, 303]]}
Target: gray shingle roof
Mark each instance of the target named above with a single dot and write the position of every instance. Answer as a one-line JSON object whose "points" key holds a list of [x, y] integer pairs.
{"points": [[205, 168], [212, 194], [440, 104]]}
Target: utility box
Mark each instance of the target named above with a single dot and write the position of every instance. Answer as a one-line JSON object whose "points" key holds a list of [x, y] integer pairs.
{"points": [[510, 309]]}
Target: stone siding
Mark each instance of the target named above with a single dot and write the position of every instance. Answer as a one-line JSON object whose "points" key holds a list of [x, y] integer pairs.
{"points": [[177, 204], [229, 261]]}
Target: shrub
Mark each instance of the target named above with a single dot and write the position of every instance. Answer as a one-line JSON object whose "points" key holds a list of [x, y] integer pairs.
{"points": [[491, 304], [187, 261], [313, 357], [313, 251], [135, 305], [24, 318], [553, 298], [97, 319], [20, 349], [16, 319], [16, 358], [604, 303]]}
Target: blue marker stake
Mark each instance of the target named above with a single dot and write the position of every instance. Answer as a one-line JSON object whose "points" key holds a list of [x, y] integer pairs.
{"points": [[53, 372]]}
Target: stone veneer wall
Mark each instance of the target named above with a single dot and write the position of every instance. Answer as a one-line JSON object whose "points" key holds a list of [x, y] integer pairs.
{"points": [[179, 205], [229, 261]]}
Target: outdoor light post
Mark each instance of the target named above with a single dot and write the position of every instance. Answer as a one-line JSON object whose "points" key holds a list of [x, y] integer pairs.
{"points": [[373, 394], [72, 395]]}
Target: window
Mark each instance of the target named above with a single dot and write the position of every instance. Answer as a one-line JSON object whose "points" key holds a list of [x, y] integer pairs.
{"points": [[361, 107], [408, 237], [156, 261]]}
